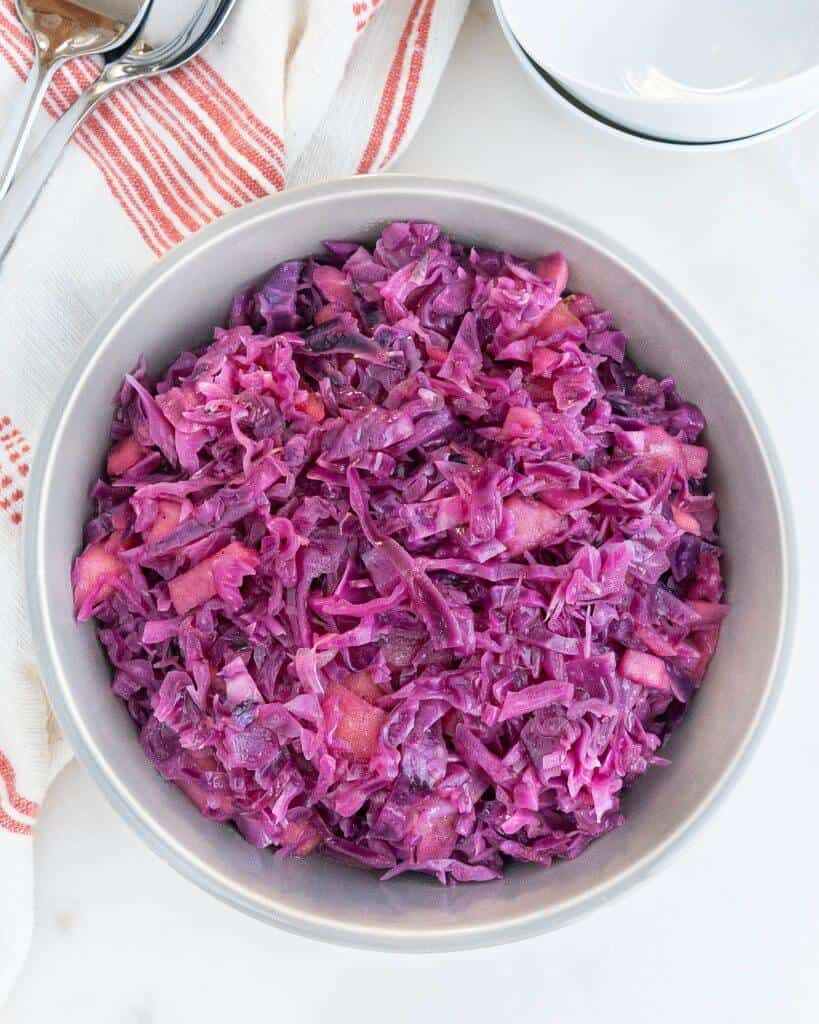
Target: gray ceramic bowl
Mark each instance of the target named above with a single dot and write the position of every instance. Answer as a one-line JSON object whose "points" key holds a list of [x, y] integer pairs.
{"points": [[174, 306]]}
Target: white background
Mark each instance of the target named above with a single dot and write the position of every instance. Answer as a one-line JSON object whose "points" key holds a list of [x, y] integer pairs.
{"points": [[729, 930]]}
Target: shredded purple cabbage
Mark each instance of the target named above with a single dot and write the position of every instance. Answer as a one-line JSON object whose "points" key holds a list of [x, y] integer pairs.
{"points": [[411, 565]]}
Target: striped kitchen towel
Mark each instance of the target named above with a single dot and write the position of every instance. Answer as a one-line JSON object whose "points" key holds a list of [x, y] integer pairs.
{"points": [[291, 91]]}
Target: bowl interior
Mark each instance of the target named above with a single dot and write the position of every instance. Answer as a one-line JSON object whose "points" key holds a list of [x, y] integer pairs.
{"points": [[664, 49], [174, 309]]}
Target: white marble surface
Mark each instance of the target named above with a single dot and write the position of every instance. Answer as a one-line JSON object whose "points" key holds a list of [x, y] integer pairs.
{"points": [[730, 929]]}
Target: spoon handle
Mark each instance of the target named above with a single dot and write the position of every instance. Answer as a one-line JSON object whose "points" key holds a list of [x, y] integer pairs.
{"points": [[21, 120], [30, 181]]}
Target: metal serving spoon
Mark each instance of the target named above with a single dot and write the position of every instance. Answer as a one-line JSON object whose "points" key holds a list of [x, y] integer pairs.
{"points": [[139, 62], [61, 30]]}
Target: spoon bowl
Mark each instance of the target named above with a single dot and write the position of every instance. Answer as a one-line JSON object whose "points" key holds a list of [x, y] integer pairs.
{"points": [[143, 61], [61, 30]]}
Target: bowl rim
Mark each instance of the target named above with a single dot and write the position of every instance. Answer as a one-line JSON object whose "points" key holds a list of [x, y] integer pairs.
{"points": [[560, 93], [722, 99], [57, 681]]}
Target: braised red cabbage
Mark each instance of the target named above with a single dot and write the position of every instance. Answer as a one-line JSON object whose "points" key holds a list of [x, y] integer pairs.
{"points": [[411, 565]]}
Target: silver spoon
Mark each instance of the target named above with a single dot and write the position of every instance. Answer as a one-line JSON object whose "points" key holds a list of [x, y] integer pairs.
{"points": [[139, 62], [61, 30]]}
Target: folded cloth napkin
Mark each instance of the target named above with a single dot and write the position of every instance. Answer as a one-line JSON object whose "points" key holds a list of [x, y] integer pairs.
{"points": [[291, 91]]}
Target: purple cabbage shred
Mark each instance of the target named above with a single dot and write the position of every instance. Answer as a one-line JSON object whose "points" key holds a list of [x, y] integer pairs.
{"points": [[412, 565]]}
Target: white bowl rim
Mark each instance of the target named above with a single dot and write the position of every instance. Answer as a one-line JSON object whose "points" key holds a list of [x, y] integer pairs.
{"points": [[566, 98], [711, 99], [57, 681]]}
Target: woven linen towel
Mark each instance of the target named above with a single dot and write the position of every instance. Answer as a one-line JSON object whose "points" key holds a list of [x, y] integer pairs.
{"points": [[291, 91]]}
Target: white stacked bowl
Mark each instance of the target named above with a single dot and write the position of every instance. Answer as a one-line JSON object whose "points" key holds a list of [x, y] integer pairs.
{"points": [[693, 72]]}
